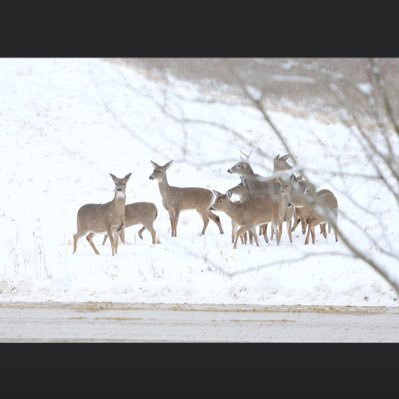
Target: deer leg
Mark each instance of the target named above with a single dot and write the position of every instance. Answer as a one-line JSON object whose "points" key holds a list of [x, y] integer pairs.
{"points": [[303, 223], [243, 238], [89, 239], [297, 221], [116, 241], [251, 239], [312, 228], [111, 238], [240, 231], [261, 229], [105, 238], [153, 234], [279, 232], [307, 236], [172, 222], [265, 233], [288, 224], [140, 232], [175, 223], [215, 219], [205, 219], [122, 235], [252, 233], [323, 230], [75, 240]]}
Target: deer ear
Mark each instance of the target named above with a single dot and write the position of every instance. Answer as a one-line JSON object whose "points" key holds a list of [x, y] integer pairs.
{"points": [[127, 176], [285, 157], [154, 164], [113, 177], [277, 157], [167, 165], [216, 193], [292, 177]]}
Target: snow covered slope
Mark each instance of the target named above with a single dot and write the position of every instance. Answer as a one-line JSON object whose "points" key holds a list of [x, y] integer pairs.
{"points": [[65, 124]]}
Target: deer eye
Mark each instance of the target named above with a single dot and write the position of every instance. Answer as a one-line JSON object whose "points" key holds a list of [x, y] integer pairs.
{"points": [[238, 166]]}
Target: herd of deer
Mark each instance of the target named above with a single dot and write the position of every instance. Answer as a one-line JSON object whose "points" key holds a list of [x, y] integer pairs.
{"points": [[280, 198]]}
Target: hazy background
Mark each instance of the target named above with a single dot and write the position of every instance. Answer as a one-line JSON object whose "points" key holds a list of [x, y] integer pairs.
{"points": [[282, 79]]}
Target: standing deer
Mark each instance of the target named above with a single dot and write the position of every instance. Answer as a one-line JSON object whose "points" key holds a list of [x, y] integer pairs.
{"points": [[247, 214], [241, 191], [143, 213], [177, 199], [108, 217], [305, 207], [264, 189]]}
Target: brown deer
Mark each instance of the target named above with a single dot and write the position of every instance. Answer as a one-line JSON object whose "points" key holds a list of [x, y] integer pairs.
{"points": [[280, 169], [177, 199], [299, 183], [143, 213], [108, 217], [263, 189], [247, 214], [305, 207]]}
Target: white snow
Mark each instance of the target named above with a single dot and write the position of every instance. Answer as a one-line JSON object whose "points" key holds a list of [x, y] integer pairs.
{"points": [[365, 88], [65, 124], [293, 79]]}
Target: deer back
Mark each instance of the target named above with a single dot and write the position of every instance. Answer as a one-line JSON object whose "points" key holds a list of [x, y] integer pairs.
{"points": [[140, 212]]}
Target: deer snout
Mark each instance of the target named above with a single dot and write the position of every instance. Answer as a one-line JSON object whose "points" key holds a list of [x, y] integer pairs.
{"points": [[229, 170], [290, 204], [151, 177], [212, 208], [118, 189]]}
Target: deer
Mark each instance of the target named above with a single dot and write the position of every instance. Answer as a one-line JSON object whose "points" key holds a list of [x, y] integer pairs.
{"points": [[280, 169], [143, 213], [246, 214], [177, 199], [241, 191], [264, 189], [299, 183], [108, 217], [305, 207]]}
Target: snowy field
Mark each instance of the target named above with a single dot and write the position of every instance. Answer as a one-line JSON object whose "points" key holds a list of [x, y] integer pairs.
{"points": [[67, 123]]}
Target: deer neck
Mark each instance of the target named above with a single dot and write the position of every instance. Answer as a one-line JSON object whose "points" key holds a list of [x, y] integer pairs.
{"points": [[119, 199], [163, 185], [250, 170], [231, 208]]}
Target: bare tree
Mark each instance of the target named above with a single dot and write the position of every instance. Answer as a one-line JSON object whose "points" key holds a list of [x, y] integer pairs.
{"points": [[366, 110], [382, 154]]}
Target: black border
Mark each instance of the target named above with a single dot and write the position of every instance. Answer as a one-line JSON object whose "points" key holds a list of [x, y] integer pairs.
{"points": [[164, 29], [226, 365]]}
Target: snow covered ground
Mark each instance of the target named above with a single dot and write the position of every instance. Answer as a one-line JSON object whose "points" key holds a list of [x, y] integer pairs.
{"points": [[65, 124]]}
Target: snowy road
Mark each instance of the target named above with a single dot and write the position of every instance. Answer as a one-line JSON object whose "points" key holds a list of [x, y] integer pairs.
{"points": [[105, 322]]}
